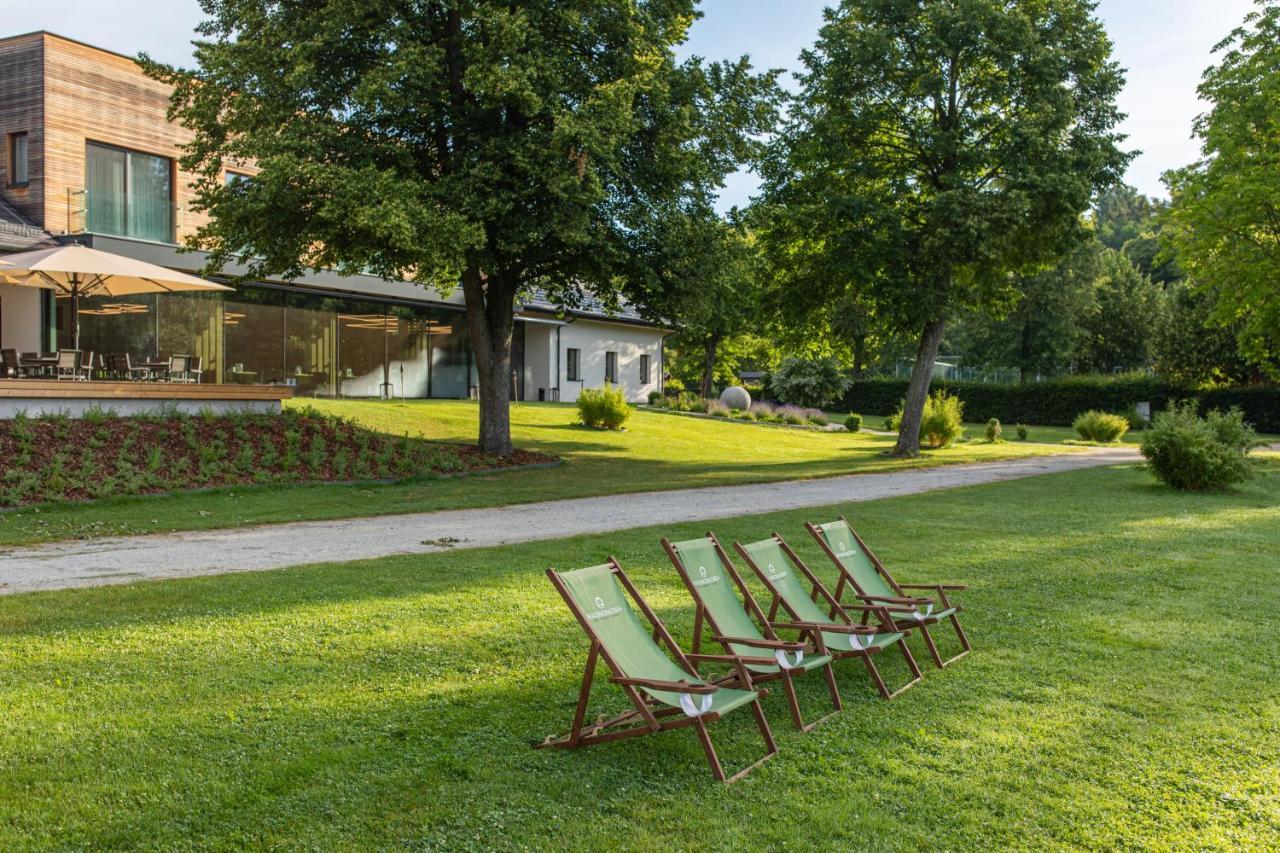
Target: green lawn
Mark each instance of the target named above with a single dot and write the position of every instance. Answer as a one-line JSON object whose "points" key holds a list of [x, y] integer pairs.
{"points": [[657, 451], [1122, 694]]}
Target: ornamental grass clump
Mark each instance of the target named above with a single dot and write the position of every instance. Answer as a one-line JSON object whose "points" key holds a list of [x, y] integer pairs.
{"points": [[941, 422], [604, 408], [717, 409], [1101, 427], [995, 432], [1191, 453]]}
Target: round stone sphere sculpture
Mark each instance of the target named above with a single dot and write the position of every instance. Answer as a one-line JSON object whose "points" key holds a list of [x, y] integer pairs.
{"points": [[736, 397]]}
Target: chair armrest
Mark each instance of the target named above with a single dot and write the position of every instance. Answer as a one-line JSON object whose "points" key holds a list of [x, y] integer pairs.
{"points": [[893, 599], [833, 627], [759, 643], [659, 684], [729, 658]]}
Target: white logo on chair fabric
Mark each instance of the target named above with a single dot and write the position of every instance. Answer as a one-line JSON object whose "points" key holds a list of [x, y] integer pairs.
{"points": [[704, 580], [603, 612]]}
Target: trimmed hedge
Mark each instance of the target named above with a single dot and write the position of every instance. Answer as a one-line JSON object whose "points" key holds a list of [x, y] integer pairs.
{"points": [[1059, 402]]}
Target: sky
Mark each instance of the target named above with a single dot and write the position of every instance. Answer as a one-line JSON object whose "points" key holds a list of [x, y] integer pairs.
{"points": [[1164, 44]]}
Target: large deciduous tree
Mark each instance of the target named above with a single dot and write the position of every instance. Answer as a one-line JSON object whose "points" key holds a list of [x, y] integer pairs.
{"points": [[1226, 211], [938, 149], [492, 143]]}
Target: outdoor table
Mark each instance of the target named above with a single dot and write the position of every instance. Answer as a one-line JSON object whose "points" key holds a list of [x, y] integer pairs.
{"points": [[155, 367], [40, 363]]}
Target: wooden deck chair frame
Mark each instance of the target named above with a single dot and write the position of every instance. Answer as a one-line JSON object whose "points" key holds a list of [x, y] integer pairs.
{"points": [[903, 602], [648, 716], [841, 622], [703, 620]]}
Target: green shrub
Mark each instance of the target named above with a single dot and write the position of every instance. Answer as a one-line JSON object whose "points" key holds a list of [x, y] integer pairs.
{"points": [[717, 409], [657, 398], [995, 432], [818, 418], [1198, 454], [745, 415], [1101, 427], [941, 422], [1021, 430], [604, 408], [853, 423], [809, 382]]}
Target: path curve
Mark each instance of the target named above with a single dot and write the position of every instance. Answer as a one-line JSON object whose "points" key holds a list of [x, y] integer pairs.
{"points": [[96, 562]]}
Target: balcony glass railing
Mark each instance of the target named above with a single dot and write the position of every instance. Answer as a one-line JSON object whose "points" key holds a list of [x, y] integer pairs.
{"points": [[125, 215]]}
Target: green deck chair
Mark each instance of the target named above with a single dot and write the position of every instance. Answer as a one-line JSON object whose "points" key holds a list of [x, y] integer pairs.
{"points": [[740, 626], [833, 629], [665, 694], [862, 571]]}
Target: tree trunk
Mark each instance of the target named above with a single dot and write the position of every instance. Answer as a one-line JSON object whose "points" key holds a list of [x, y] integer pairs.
{"points": [[909, 435], [859, 355], [490, 304], [709, 368]]}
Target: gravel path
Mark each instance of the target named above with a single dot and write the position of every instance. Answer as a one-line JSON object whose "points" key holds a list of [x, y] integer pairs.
{"points": [[95, 562]]}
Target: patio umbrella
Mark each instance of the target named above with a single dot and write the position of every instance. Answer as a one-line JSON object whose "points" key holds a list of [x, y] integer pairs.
{"points": [[79, 271]]}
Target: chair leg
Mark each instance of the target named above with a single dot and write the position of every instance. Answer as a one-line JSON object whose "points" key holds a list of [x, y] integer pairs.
{"points": [[932, 646], [716, 769], [885, 693], [964, 641], [874, 672], [829, 673]]}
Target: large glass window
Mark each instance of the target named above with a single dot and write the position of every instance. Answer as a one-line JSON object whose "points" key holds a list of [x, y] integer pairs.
{"points": [[450, 356], [19, 160], [128, 193], [311, 344], [113, 326], [254, 337], [192, 324], [572, 364]]}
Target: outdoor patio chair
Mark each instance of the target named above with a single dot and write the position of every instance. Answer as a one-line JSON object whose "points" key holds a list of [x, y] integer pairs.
{"points": [[178, 368], [11, 364], [68, 365], [665, 694], [863, 573], [833, 629], [740, 626], [86, 364], [195, 369]]}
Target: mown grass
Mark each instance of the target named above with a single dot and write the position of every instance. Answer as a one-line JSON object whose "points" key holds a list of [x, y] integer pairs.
{"points": [[1122, 694], [657, 451]]}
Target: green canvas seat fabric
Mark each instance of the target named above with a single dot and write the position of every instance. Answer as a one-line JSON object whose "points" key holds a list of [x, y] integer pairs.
{"points": [[767, 554], [604, 603], [702, 564]]}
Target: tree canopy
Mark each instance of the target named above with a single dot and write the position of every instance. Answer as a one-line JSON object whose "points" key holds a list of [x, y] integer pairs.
{"points": [[495, 143], [1226, 213], [936, 150]]}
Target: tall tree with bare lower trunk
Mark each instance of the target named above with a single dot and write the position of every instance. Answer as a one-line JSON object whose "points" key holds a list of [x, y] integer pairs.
{"points": [[938, 149], [492, 144]]}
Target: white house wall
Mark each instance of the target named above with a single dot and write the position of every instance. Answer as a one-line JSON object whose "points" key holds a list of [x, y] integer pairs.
{"points": [[593, 339], [20, 318]]}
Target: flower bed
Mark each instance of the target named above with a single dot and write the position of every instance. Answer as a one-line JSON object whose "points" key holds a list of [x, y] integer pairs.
{"points": [[102, 455]]}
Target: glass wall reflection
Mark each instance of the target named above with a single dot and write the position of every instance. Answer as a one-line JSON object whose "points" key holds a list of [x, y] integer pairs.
{"points": [[322, 346]]}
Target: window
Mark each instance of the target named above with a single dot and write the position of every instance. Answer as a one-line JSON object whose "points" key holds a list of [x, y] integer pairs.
{"points": [[611, 368], [128, 194], [235, 177], [571, 359], [644, 370], [19, 160]]}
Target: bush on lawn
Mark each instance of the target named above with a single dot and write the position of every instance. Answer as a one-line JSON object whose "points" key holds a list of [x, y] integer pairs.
{"points": [[717, 409], [1021, 430], [809, 382], [941, 423], [995, 432], [1198, 454], [853, 423], [1101, 427], [657, 399], [604, 408]]}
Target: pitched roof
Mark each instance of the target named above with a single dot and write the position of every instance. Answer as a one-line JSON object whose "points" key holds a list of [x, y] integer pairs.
{"points": [[16, 233]]}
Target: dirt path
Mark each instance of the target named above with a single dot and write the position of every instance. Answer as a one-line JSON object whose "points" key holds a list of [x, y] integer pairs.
{"points": [[96, 562]]}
